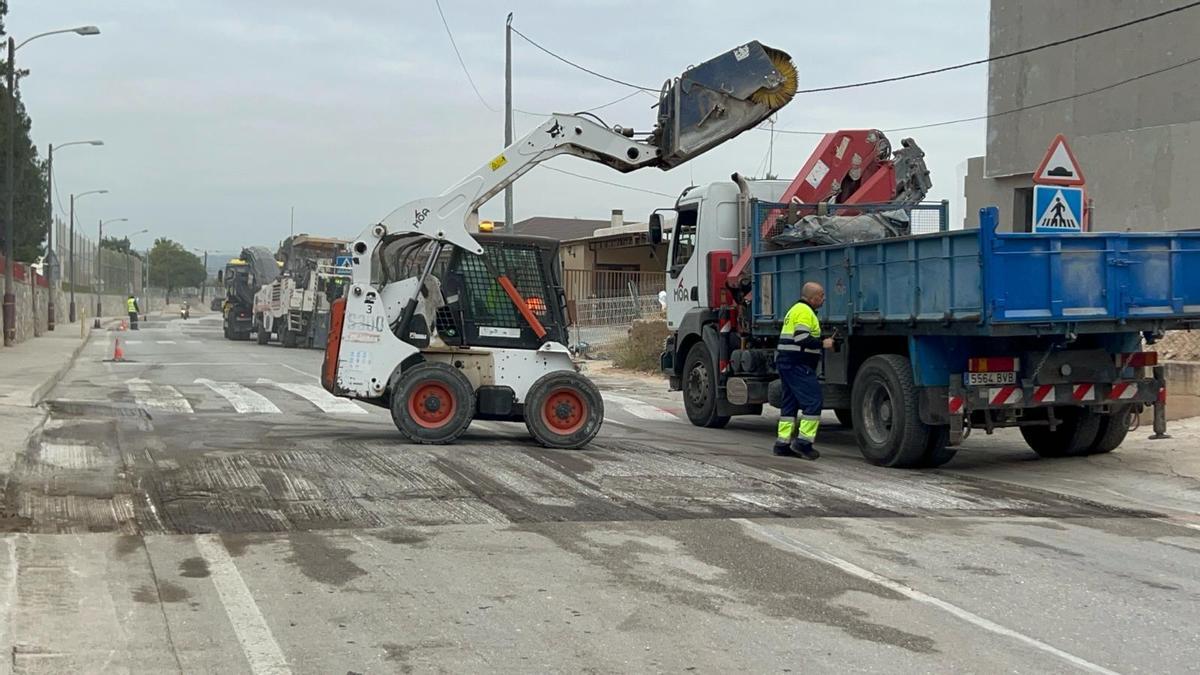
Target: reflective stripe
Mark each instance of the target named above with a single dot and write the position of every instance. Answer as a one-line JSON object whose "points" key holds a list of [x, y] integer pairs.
{"points": [[801, 330], [808, 428], [793, 348], [811, 351], [785, 429]]}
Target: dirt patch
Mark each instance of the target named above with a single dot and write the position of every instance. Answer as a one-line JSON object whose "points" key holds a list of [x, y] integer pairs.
{"points": [[641, 351]]}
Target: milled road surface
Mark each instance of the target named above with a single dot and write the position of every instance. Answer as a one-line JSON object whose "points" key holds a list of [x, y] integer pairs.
{"points": [[206, 506]]}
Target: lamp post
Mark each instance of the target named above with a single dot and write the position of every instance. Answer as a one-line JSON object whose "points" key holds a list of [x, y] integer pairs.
{"points": [[10, 229], [51, 253], [203, 285], [71, 247], [100, 259]]}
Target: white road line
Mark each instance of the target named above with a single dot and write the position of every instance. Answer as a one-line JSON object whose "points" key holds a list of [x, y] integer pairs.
{"points": [[159, 396], [242, 399], [133, 342], [638, 408], [318, 397], [807, 551], [258, 644], [164, 342]]}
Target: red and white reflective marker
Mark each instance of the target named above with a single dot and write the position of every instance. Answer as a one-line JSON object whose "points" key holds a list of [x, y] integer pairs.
{"points": [[1123, 390], [1010, 395], [1044, 394], [1084, 392]]}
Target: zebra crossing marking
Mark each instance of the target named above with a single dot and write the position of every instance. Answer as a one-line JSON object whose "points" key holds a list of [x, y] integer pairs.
{"points": [[638, 408], [324, 400], [158, 396], [243, 399]]}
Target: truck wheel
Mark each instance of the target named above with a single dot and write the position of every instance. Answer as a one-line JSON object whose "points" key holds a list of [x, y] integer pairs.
{"points": [[938, 450], [700, 389], [563, 409], [1074, 435], [887, 422], [433, 403], [1112, 431], [262, 335], [286, 337], [844, 417]]}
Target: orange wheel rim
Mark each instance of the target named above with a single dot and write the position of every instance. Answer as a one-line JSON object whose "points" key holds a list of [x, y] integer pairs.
{"points": [[431, 405], [564, 411]]}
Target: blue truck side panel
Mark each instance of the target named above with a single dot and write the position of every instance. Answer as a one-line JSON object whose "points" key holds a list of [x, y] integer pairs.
{"points": [[980, 281]]}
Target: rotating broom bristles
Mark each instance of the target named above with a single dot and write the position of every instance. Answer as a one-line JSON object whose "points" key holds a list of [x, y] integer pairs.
{"points": [[778, 96]]}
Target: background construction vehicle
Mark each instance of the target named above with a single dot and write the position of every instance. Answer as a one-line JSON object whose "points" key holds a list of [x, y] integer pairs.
{"points": [[240, 280], [294, 307], [443, 327]]}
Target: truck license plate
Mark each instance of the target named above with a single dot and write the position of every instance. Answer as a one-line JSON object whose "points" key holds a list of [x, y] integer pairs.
{"points": [[987, 379]]}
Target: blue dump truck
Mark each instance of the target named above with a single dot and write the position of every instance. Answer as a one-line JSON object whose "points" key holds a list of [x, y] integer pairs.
{"points": [[936, 334]]}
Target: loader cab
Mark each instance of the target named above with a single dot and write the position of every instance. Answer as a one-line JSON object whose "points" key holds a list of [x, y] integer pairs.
{"points": [[467, 305]]}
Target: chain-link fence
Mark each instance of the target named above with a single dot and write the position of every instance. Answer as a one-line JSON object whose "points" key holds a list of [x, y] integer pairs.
{"points": [[95, 269], [1179, 345], [601, 323]]}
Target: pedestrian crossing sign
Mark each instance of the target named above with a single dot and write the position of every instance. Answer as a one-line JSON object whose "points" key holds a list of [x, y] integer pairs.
{"points": [[1057, 208]]}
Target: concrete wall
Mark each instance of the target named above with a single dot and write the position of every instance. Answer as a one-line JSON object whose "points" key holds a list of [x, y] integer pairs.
{"points": [[32, 315], [1015, 143], [1138, 143]]}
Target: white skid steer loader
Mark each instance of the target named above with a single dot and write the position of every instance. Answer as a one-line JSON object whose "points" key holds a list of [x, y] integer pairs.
{"points": [[442, 326]]}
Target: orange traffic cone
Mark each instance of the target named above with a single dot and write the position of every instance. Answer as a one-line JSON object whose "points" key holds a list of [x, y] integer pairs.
{"points": [[118, 353]]}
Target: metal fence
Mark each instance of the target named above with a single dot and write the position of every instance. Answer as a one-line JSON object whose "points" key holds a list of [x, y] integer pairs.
{"points": [[602, 284], [602, 323], [96, 269]]}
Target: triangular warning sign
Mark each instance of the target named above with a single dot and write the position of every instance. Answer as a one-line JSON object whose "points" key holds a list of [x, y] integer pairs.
{"points": [[1059, 166]]}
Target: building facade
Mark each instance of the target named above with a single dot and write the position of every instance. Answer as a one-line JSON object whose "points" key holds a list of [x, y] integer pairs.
{"points": [[1127, 100]]}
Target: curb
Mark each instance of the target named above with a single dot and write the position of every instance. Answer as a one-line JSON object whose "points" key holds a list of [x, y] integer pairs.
{"points": [[44, 388]]}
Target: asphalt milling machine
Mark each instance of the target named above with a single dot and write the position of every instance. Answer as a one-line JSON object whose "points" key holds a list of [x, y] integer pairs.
{"points": [[443, 326]]}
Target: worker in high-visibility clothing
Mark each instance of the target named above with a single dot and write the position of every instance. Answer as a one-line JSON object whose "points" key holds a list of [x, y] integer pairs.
{"points": [[797, 357], [131, 306]]}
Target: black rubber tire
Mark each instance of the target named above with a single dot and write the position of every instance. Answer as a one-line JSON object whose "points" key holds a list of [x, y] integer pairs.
{"points": [[571, 391], [286, 337], [844, 417], [262, 335], [437, 384], [896, 438], [938, 451], [1111, 434], [1073, 437], [700, 389]]}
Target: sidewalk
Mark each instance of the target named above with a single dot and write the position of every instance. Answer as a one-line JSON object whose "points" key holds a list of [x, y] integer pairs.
{"points": [[30, 369]]}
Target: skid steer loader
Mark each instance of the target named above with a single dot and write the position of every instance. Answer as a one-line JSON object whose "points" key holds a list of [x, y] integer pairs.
{"points": [[442, 324]]}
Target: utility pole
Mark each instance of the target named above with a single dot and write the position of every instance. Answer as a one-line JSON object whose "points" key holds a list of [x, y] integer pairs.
{"points": [[205, 284], [51, 260], [508, 111], [99, 280], [292, 222], [71, 256], [10, 229]]}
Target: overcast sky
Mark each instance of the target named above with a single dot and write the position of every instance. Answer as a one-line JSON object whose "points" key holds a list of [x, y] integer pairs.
{"points": [[219, 116]]}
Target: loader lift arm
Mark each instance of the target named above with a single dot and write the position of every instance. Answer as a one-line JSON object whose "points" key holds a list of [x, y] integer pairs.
{"points": [[706, 106]]}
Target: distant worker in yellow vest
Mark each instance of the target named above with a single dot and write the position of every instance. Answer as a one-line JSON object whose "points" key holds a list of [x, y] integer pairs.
{"points": [[132, 307], [797, 357]]}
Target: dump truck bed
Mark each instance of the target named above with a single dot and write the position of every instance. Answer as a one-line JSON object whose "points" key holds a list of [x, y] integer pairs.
{"points": [[981, 282]]}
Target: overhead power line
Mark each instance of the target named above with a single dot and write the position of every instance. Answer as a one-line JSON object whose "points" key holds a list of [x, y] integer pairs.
{"points": [[1009, 55], [605, 182], [583, 68], [592, 109], [1011, 111], [457, 53]]}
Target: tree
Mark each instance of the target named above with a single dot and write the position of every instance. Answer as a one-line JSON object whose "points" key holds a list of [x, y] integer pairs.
{"points": [[29, 173], [172, 266], [121, 245]]}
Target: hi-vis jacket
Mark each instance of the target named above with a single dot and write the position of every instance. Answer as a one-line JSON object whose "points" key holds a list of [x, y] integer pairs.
{"points": [[800, 338]]}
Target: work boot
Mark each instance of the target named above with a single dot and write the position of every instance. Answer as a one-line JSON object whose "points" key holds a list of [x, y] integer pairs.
{"points": [[782, 449], [804, 449]]}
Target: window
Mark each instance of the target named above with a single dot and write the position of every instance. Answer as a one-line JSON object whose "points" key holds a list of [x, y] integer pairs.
{"points": [[684, 238]]}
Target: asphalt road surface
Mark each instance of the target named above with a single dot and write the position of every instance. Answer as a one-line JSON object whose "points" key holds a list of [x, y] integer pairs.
{"points": [[215, 510]]}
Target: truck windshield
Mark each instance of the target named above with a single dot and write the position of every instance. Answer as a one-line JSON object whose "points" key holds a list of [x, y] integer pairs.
{"points": [[684, 239]]}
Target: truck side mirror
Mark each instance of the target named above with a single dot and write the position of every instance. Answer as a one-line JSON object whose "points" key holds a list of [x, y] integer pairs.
{"points": [[220, 275], [655, 230]]}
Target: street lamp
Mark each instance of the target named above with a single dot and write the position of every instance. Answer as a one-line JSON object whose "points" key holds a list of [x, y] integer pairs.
{"points": [[71, 246], [51, 253], [10, 230], [100, 259], [205, 252]]}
